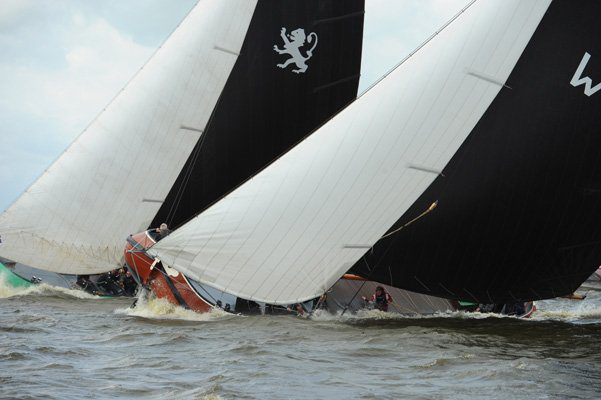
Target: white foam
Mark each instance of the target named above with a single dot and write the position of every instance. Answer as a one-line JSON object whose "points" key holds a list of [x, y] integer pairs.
{"points": [[376, 315], [569, 310], [153, 308], [7, 290]]}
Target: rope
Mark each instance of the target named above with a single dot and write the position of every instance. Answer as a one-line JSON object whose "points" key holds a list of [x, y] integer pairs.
{"points": [[353, 298], [184, 184], [432, 207], [180, 191], [371, 271]]}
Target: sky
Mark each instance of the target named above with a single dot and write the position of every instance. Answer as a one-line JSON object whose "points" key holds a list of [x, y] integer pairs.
{"points": [[62, 61]]}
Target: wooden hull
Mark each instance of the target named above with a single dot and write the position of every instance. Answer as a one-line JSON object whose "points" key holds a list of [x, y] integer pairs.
{"points": [[166, 283], [171, 285]]}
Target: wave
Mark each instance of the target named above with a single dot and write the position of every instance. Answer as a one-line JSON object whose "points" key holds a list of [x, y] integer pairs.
{"points": [[548, 310], [7, 291], [377, 315], [160, 309], [569, 310]]}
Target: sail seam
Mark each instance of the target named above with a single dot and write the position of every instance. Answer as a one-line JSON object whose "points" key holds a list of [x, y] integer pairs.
{"points": [[487, 78], [425, 169], [189, 128], [223, 49], [339, 81], [341, 17]]}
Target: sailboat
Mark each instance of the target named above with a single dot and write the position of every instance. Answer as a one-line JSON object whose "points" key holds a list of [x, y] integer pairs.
{"points": [[235, 85], [492, 120]]}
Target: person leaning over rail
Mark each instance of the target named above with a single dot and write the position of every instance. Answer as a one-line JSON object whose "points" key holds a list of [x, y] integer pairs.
{"points": [[162, 231], [380, 299]]}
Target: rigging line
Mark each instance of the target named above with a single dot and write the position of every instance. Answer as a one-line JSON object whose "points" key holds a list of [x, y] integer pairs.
{"points": [[432, 207], [322, 300], [184, 184], [180, 192], [134, 271], [418, 48], [360, 287]]}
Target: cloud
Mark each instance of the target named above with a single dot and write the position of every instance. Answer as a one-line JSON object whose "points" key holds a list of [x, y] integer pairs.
{"points": [[98, 60], [12, 11], [51, 103]]}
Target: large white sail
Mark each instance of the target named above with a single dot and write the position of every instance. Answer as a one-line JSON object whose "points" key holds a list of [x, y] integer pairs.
{"points": [[112, 179], [291, 231]]}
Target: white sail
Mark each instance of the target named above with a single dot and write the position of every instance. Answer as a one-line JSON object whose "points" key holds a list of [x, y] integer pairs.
{"points": [[291, 231], [112, 179]]}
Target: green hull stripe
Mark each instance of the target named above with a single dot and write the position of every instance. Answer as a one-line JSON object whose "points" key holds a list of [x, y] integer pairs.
{"points": [[13, 279]]}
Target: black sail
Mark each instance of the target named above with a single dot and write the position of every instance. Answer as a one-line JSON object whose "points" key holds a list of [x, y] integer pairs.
{"points": [[264, 109], [519, 212]]}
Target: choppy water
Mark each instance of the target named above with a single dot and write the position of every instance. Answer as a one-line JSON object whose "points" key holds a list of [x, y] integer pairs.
{"points": [[63, 344]]}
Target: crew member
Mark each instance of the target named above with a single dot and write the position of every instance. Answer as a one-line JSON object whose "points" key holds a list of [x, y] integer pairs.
{"points": [[380, 299], [162, 231]]}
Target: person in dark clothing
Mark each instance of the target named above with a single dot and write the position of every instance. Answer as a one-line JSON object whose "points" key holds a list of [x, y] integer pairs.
{"points": [[84, 282], [514, 309], [128, 283], [109, 282], [380, 299]]}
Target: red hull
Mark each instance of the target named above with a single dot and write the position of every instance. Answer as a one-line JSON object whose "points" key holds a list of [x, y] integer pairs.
{"points": [[166, 283]]}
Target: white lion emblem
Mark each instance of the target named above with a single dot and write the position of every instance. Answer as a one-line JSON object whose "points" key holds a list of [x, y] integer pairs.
{"points": [[292, 44]]}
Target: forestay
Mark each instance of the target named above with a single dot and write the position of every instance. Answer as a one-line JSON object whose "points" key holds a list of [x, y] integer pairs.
{"points": [[291, 231], [76, 216]]}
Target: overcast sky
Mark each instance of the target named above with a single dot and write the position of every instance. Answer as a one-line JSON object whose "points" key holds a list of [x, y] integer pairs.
{"points": [[62, 61]]}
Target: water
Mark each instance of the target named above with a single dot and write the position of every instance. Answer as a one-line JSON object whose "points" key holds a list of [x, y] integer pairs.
{"points": [[63, 344]]}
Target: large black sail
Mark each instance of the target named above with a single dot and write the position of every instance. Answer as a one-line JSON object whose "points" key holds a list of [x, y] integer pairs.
{"points": [[519, 207], [272, 99]]}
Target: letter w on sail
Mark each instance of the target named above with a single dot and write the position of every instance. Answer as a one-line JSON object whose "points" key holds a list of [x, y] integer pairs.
{"points": [[578, 80]]}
